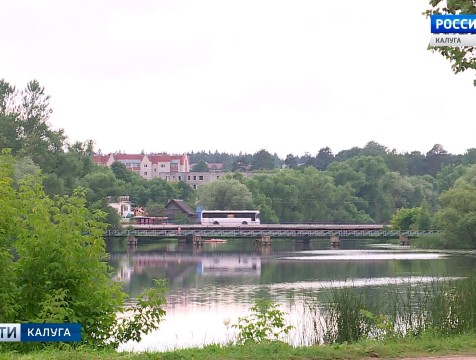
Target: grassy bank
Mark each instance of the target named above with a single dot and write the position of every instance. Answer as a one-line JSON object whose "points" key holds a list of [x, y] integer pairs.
{"points": [[395, 348], [435, 241]]}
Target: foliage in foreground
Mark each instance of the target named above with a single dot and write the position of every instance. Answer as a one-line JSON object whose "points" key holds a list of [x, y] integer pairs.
{"points": [[266, 322], [60, 272], [442, 308]]}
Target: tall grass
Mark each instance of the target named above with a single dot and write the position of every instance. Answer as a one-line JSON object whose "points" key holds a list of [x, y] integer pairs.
{"points": [[445, 307]]}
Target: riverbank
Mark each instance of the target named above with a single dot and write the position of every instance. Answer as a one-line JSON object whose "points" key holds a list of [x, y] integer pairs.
{"points": [[425, 346]]}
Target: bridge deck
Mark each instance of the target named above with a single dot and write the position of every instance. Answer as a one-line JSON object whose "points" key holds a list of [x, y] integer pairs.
{"points": [[273, 230]]}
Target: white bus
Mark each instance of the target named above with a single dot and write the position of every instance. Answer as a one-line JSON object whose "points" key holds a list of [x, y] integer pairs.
{"points": [[230, 217]]}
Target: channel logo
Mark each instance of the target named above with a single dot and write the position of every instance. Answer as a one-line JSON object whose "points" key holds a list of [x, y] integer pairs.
{"points": [[44, 332], [453, 30]]}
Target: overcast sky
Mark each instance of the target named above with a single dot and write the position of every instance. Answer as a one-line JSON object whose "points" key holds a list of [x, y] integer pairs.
{"points": [[287, 76]]}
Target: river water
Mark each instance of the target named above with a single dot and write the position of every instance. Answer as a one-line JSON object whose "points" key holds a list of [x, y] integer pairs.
{"points": [[211, 286]]}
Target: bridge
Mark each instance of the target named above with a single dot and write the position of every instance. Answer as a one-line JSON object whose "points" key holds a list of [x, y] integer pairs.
{"points": [[265, 232]]}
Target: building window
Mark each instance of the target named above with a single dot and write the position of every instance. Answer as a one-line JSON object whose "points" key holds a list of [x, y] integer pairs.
{"points": [[200, 177], [189, 177], [155, 170], [194, 177], [218, 177], [145, 173], [180, 178], [145, 165], [162, 165], [194, 187]]}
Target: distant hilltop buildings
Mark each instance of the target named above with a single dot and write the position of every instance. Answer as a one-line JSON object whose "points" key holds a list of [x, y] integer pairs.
{"points": [[164, 166], [148, 166]]}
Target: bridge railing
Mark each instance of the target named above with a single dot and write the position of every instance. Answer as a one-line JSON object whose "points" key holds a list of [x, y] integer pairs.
{"points": [[285, 233]]}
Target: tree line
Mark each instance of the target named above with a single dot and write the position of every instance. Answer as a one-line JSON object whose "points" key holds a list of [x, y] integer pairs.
{"points": [[408, 163], [359, 185]]}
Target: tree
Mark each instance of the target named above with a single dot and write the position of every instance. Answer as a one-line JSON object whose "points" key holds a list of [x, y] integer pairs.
{"points": [[458, 214], [9, 220], [23, 167], [323, 158], [120, 171], [397, 162], [371, 181], [201, 166], [241, 165], [417, 218], [262, 160], [461, 58], [24, 125], [60, 273], [436, 158], [225, 194], [291, 161], [416, 162], [37, 138], [469, 157], [374, 149]]}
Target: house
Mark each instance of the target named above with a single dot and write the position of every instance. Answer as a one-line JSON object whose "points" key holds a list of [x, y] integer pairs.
{"points": [[101, 159], [148, 166], [139, 211], [122, 204], [178, 210]]}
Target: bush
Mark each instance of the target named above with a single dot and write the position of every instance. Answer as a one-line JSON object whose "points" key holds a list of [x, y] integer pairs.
{"points": [[60, 273]]}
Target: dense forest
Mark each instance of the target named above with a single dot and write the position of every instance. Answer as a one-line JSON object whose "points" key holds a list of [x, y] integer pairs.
{"points": [[365, 185]]}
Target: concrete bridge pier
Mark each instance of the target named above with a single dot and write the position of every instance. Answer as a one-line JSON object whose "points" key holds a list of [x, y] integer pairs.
{"points": [[335, 241], [303, 243], [187, 239], [265, 240], [197, 240], [132, 240], [404, 240]]}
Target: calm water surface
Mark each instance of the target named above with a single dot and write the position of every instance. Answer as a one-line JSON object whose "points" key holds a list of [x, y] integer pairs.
{"points": [[211, 286]]}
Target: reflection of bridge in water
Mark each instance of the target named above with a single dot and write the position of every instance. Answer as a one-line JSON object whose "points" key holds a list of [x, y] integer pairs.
{"points": [[195, 233], [203, 264]]}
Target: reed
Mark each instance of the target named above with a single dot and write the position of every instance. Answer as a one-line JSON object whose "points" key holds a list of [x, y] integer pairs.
{"points": [[444, 307]]}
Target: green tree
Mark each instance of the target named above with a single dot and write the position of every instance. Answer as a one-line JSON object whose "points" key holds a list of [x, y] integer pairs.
{"points": [[263, 160], [323, 158], [417, 218], [371, 181], [24, 125], [241, 164], [397, 162], [225, 194], [458, 214], [461, 58], [291, 161], [120, 171], [448, 175], [37, 139], [60, 273], [201, 166], [9, 219], [23, 167], [469, 157], [436, 158]]}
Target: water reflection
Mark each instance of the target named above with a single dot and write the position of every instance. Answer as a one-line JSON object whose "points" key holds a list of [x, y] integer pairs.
{"points": [[214, 283]]}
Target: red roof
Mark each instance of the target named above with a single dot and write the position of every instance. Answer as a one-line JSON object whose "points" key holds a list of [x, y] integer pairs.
{"points": [[101, 159], [166, 158], [128, 157]]}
